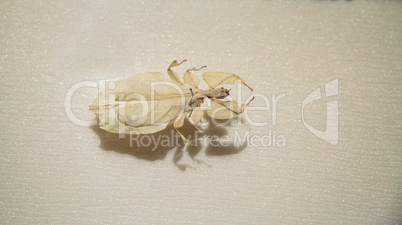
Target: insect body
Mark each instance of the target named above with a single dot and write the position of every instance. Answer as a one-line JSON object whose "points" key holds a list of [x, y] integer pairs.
{"points": [[147, 103]]}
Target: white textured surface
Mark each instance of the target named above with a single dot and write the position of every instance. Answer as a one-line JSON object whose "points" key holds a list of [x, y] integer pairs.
{"points": [[55, 171]]}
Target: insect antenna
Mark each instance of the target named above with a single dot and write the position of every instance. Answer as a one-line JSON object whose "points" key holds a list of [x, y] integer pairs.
{"points": [[192, 95]]}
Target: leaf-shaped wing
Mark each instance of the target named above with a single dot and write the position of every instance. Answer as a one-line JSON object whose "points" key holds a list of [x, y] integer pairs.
{"points": [[138, 116], [133, 105], [133, 130], [149, 85]]}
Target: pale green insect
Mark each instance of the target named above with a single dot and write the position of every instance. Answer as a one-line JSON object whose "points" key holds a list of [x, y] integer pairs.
{"points": [[147, 103]]}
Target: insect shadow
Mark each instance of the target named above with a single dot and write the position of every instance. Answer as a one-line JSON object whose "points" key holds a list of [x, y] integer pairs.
{"points": [[147, 146]]}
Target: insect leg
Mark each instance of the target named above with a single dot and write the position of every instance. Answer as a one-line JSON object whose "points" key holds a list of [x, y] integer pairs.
{"points": [[179, 123], [172, 74], [190, 79], [195, 116], [214, 79], [226, 109]]}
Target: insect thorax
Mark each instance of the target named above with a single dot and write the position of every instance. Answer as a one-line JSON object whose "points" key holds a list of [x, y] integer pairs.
{"points": [[218, 93]]}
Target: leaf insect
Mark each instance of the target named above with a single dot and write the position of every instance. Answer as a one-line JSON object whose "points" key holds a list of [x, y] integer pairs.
{"points": [[148, 102]]}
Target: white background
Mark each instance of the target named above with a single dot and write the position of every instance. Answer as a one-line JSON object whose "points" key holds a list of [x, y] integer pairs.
{"points": [[54, 171]]}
